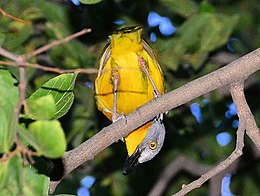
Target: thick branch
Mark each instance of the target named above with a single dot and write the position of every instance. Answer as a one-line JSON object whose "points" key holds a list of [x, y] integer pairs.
{"points": [[231, 73]]}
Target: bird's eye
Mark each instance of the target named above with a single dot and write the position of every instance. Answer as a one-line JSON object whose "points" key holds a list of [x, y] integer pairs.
{"points": [[152, 145]]}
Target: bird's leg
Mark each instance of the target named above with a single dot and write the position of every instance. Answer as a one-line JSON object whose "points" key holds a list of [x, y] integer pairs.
{"points": [[116, 84], [115, 115], [156, 92], [144, 69]]}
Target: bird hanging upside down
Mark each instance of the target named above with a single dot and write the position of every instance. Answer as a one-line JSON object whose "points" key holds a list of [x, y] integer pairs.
{"points": [[130, 76]]}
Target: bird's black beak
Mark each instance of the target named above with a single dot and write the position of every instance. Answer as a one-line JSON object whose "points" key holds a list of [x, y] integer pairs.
{"points": [[131, 162]]}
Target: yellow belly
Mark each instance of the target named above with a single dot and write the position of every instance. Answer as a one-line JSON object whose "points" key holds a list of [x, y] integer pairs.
{"points": [[134, 88]]}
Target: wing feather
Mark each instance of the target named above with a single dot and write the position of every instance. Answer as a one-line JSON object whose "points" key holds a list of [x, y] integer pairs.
{"points": [[104, 58], [149, 50]]}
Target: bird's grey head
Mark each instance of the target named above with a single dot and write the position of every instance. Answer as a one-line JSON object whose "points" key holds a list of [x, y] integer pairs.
{"points": [[149, 147]]}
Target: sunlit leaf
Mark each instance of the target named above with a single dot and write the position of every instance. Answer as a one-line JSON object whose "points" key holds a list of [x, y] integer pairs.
{"points": [[8, 102], [42, 108], [218, 31], [52, 11], [90, 1], [183, 7], [61, 89], [23, 180], [3, 173], [47, 137]]}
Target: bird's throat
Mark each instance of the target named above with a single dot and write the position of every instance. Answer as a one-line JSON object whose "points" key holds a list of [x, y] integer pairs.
{"points": [[136, 137]]}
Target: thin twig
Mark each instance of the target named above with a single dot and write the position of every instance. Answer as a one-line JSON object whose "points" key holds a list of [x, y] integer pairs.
{"points": [[8, 156], [13, 17], [238, 96], [55, 43], [8, 54], [178, 164], [20, 149], [215, 182], [50, 69], [60, 71], [220, 167]]}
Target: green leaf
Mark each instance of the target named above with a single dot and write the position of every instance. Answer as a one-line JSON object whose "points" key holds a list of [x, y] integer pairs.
{"points": [[22, 180], [218, 31], [52, 11], [18, 36], [89, 1], [42, 108], [2, 38], [40, 81], [205, 6], [47, 137], [60, 88], [8, 102], [184, 7], [3, 173], [6, 77], [119, 184], [197, 37], [206, 31], [35, 184], [65, 195]]}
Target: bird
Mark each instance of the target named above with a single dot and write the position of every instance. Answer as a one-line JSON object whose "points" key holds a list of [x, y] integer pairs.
{"points": [[129, 76]]}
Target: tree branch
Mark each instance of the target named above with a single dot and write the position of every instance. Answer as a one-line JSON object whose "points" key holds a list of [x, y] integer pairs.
{"points": [[231, 73], [55, 43], [220, 167], [8, 54], [180, 164], [215, 183], [29, 55], [13, 17], [50, 69]]}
